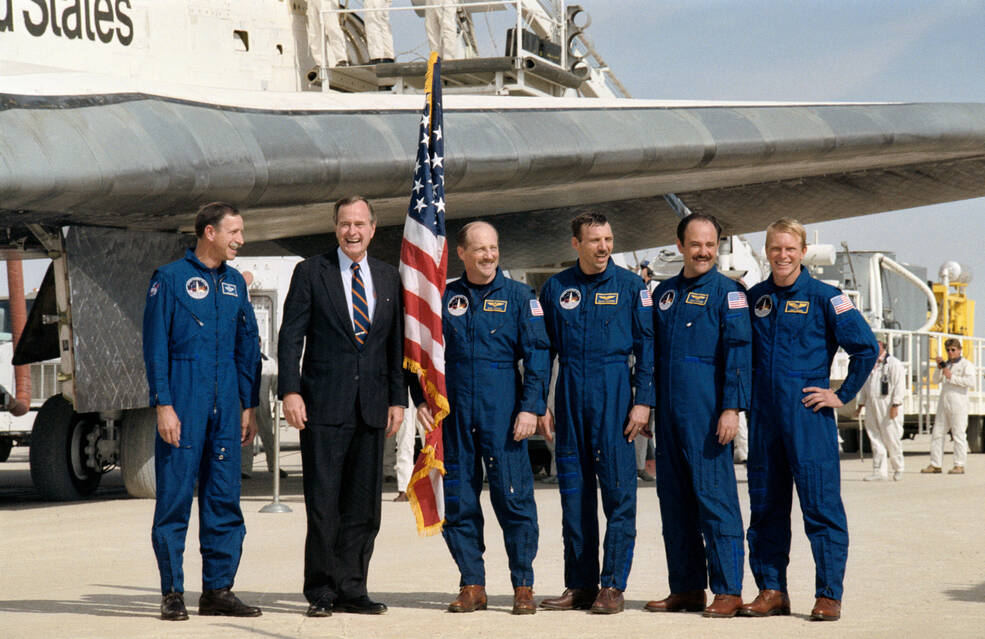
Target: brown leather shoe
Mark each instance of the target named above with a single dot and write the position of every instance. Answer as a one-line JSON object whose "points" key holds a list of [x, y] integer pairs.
{"points": [[523, 601], [957, 470], [767, 603], [570, 599], [690, 601], [470, 599], [826, 609], [931, 470], [609, 602], [724, 606]]}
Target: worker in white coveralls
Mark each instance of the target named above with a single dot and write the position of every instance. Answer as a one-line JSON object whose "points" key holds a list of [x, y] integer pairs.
{"points": [[328, 27], [882, 398], [441, 25], [956, 375]]}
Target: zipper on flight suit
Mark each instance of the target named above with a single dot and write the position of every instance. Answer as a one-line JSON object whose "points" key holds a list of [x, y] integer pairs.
{"points": [[216, 282]]}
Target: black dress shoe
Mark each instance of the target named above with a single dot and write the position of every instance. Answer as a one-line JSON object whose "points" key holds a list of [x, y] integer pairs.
{"points": [[361, 606], [318, 610], [173, 607], [222, 602]]}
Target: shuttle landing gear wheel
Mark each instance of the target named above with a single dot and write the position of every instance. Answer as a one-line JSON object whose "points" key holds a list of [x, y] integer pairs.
{"points": [[58, 457], [137, 452], [6, 444]]}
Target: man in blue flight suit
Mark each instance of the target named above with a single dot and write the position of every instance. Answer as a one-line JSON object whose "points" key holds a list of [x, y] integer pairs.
{"points": [[202, 352], [703, 361], [490, 323], [798, 324], [598, 316]]}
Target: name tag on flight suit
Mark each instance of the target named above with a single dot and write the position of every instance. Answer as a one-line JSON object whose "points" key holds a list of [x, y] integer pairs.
{"points": [[696, 298], [496, 306], [794, 306]]}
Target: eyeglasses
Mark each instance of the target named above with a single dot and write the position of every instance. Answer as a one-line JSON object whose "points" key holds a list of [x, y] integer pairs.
{"points": [[953, 350]]}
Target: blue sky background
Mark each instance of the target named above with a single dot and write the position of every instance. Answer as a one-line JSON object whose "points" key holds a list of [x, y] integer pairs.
{"points": [[811, 50], [807, 50]]}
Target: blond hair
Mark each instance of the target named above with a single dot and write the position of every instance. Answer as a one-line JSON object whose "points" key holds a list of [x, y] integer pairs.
{"points": [[787, 225]]}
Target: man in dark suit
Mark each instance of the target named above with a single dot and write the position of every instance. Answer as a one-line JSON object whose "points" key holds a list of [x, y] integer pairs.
{"points": [[344, 309]]}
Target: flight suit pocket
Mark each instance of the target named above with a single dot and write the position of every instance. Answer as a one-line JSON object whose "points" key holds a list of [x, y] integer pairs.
{"points": [[568, 472], [517, 475], [451, 484], [225, 463]]}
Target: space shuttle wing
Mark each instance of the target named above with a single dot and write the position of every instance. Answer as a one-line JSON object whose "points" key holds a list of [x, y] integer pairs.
{"points": [[136, 160]]}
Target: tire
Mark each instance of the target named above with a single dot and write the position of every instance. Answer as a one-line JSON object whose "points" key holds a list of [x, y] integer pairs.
{"points": [[137, 452], [57, 454], [976, 438], [849, 441], [6, 444]]}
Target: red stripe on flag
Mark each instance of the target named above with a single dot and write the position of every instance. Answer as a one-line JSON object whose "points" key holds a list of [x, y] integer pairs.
{"points": [[412, 255], [420, 310]]}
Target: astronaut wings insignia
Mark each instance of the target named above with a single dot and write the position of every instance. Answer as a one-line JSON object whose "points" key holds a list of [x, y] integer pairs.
{"points": [[796, 306], [607, 298], [495, 306]]}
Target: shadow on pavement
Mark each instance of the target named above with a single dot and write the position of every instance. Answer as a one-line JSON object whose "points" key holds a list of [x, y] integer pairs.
{"points": [[971, 593], [133, 601]]}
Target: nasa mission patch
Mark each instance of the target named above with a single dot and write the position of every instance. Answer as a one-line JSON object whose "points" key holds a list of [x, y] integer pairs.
{"points": [[197, 288]]}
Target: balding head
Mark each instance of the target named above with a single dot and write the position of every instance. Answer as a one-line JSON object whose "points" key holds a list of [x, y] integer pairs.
{"points": [[478, 248], [462, 238]]}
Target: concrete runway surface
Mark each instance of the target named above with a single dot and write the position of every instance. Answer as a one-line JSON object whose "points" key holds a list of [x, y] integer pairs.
{"points": [[916, 567]]}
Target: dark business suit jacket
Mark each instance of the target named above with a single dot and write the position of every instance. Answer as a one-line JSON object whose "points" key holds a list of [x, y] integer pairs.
{"points": [[336, 369]]}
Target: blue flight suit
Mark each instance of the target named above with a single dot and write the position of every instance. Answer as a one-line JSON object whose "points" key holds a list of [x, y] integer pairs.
{"points": [[202, 353], [595, 323], [487, 330], [703, 366], [796, 332]]}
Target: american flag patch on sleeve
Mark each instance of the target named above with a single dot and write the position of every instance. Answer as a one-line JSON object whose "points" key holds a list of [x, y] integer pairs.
{"points": [[645, 298], [842, 303], [535, 309], [737, 299]]}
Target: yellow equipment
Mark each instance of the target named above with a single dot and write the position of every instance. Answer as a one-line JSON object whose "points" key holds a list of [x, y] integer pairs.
{"points": [[955, 315]]}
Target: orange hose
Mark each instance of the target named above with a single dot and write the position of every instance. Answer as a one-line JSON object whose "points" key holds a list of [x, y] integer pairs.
{"points": [[18, 318]]}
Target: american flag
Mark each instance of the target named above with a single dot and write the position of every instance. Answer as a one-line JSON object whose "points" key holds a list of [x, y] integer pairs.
{"points": [[737, 299], [423, 269], [842, 303]]}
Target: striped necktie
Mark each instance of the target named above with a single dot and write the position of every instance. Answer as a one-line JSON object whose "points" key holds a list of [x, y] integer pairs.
{"points": [[360, 307]]}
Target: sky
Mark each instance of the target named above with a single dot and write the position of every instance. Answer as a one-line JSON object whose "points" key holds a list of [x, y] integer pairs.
{"points": [[807, 51], [810, 50]]}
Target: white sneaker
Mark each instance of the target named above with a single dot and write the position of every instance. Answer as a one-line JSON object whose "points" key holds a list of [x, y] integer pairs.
{"points": [[874, 477], [898, 475]]}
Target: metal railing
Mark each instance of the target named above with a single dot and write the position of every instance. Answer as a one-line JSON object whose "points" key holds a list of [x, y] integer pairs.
{"points": [[559, 24], [916, 350]]}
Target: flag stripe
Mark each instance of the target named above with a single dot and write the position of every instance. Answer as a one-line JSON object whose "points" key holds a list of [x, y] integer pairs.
{"points": [[423, 270], [432, 352], [432, 246]]}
